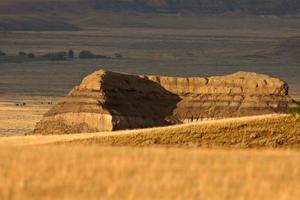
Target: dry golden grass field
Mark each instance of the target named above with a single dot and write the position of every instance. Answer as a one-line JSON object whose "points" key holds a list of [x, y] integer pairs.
{"points": [[204, 160], [94, 172]]}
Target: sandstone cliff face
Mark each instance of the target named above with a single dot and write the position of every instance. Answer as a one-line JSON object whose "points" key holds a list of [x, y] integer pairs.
{"points": [[108, 101]]}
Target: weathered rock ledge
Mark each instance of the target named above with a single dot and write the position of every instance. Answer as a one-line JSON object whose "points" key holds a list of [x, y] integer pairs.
{"points": [[108, 101]]}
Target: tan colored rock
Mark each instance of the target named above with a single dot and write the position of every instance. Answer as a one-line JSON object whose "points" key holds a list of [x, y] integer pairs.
{"points": [[108, 101]]}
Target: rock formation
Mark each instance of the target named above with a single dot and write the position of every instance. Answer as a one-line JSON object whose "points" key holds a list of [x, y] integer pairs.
{"points": [[108, 101]]}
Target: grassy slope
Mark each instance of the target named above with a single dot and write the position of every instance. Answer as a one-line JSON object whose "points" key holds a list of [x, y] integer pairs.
{"points": [[269, 131], [251, 132]]}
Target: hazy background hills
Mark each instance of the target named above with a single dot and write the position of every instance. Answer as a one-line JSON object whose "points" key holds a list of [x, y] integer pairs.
{"points": [[269, 7], [73, 14], [273, 7], [163, 37]]}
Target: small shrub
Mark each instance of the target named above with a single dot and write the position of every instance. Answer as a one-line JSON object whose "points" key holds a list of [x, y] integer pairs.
{"points": [[295, 111], [89, 55], [86, 54], [71, 53], [118, 55], [61, 55], [2, 53], [21, 104], [21, 53], [31, 55]]}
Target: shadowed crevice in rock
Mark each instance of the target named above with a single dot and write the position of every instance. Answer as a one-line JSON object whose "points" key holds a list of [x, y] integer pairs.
{"points": [[108, 101]]}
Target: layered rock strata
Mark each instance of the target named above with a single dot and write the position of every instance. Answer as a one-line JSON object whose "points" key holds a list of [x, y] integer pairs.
{"points": [[109, 101]]}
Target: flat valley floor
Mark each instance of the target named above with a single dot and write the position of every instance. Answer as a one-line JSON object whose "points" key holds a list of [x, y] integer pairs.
{"points": [[187, 46], [18, 115]]}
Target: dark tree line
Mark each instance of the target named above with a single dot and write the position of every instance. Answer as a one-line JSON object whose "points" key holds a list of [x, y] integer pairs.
{"points": [[64, 55]]}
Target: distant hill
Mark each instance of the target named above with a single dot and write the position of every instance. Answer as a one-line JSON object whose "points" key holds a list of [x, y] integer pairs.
{"points": [[57, 15], [261, 7], [19, 23]]}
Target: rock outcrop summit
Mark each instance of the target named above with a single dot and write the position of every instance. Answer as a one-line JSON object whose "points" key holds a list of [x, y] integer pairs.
{"points": [[108, 101]]}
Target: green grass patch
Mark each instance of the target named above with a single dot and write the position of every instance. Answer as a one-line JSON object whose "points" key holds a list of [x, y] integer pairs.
{"points": [[295, 111]]}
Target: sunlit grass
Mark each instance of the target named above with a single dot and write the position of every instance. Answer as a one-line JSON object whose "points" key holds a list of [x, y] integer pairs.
{"points": [[278, 131], [93, 166], [82, 172]]}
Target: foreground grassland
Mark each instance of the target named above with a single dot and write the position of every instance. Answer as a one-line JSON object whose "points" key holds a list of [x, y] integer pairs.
{"points": [[81, 172], [114, 166]]}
